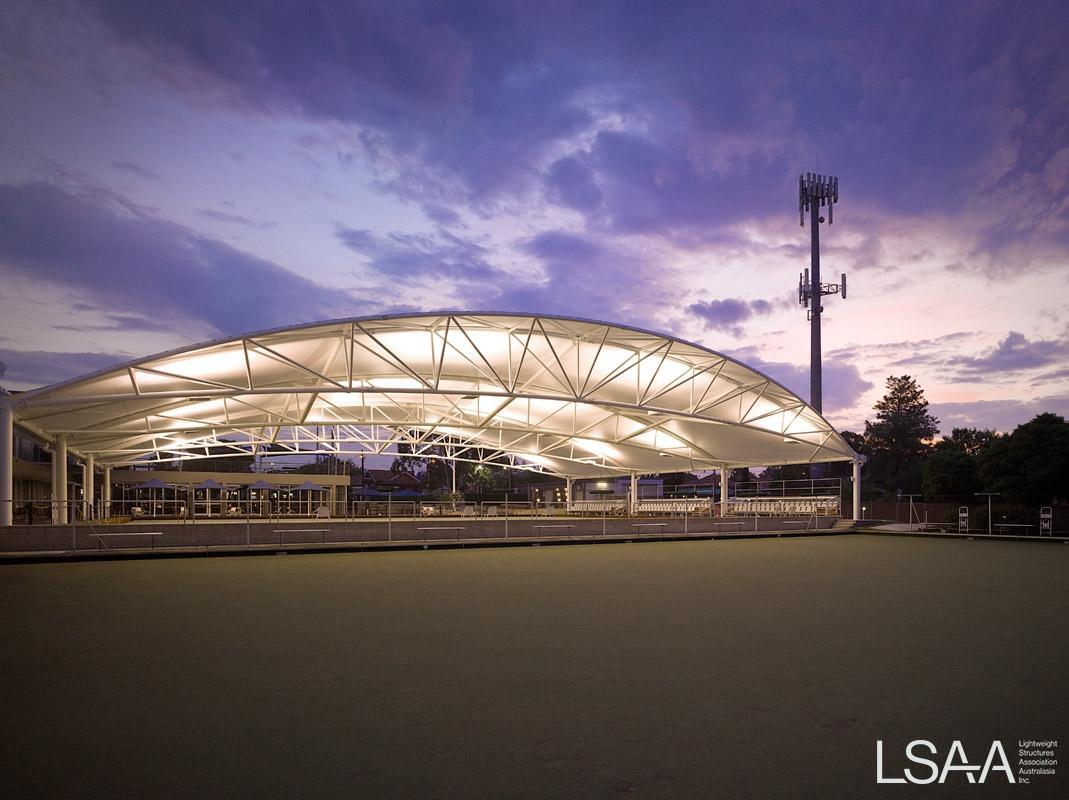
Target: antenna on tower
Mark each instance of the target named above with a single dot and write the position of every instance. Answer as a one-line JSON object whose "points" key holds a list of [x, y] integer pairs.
{"points": [[814, 192]]}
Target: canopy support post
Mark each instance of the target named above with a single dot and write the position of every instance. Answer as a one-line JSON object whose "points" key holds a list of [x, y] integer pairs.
{"points": [[7, 465], [60, 512]]}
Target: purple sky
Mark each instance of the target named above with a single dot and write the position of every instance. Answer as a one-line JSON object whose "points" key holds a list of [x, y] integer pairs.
{"points": [[175, 171]]}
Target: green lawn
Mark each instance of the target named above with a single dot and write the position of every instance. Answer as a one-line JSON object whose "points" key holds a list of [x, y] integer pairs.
{"points": [[754, 668]]}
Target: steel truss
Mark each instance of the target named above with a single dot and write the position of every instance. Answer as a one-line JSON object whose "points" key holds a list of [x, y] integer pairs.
{"points": [[566, 396]]}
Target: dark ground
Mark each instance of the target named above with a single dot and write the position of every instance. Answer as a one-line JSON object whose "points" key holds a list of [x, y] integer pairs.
{"points": [[737, 669]]}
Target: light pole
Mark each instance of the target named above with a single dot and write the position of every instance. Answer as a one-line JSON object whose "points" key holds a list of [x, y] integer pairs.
{"points": [[988, 495]]}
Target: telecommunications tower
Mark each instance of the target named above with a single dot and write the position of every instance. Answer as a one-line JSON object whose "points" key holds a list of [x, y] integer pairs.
{"points": [[815, 191]]}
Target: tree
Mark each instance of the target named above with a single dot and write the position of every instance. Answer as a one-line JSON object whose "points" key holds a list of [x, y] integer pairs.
{"points": [[670, 480], [972, 441], [481, 478], [950, 472], [856, 441], [786, 472], [901, 435], [953, 466], [327, 464], [1032, 463], [431, 465]]}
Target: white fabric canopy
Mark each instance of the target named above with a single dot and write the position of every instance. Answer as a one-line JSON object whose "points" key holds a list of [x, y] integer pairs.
{"points": [[568, 396]]}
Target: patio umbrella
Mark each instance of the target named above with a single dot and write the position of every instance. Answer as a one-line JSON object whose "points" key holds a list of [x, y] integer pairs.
{"points": [[207, 485], [308, 486], [261, 484], [155, 483]]}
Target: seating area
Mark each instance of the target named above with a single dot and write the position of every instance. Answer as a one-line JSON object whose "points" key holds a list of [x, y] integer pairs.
{"points": [[783, 506], [615, 506], [694, 506]]}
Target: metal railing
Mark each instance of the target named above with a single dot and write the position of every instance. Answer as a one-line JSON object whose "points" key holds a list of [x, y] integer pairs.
{"points": [[370, 523], [76, 526]]}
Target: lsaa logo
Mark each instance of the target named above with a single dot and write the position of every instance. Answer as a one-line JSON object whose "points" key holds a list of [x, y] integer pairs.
{"points": [[955, 761]]}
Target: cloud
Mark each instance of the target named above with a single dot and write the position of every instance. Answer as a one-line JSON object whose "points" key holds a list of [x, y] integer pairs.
{"points": [[408, 256], [234, 219], [662, 185], [131, 168], [1014, 354], [659, 121], [431, 80], [446, 217], [727, 314], [842, 384], [589, 278], [576, 276], [124, 258], [569, 182], [915, 115], [32, 368], [116, 322], [1002, 415], [559, 247]]}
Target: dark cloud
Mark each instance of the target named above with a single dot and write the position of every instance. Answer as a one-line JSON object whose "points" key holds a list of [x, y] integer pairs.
{"points": [[943, 355], [131, 168], [564, 248], [442, 215], [652, 186], [127, 260], [234, 219], [890, 349], [1002, 415], [335, 60], [1047, 377], [843, 386], [570, 182], [579, 276], [434, 79], [662, 117], [591, 279], [117, 322], [730, 313], [1014, 354], [405, 256], [32, 368]]}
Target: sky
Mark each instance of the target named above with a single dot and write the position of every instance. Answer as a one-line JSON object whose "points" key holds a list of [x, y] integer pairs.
{"points": [[173, 172]]}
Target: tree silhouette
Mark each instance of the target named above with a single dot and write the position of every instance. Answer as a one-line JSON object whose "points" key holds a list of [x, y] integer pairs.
{"points": [[1031, 463], [900, 437]]}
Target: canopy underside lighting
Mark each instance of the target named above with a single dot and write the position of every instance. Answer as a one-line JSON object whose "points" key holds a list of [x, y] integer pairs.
{"points": [[567, 396]]}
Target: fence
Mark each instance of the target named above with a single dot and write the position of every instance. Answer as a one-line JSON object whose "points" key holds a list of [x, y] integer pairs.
{"points": [[1025, 518], [415, 524]]}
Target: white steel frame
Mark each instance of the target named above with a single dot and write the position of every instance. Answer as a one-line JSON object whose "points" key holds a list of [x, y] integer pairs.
{"points": [[571, 397]]}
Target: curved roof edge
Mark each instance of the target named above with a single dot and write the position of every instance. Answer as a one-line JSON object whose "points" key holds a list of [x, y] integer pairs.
{"points": [[788, 399]]}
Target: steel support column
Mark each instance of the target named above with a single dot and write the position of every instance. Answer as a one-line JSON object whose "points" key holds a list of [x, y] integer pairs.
{"points": [[634, 492], [88, 487], [725, 470], [105, 493], [857, 489], [567, 492], [60, 512], [7, 465]]}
